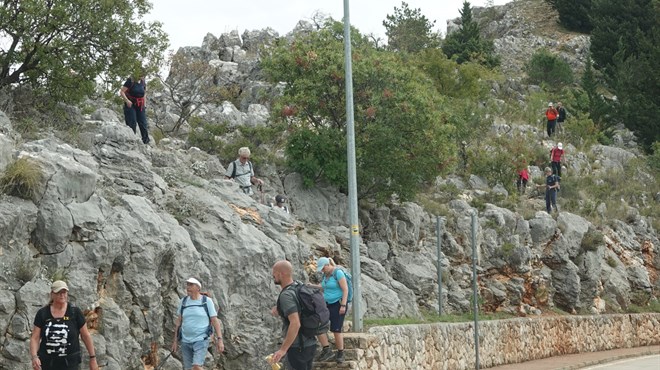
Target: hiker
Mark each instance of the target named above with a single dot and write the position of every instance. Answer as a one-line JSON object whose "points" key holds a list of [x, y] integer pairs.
{"points": [[561, 117], [335, 292], [279, 204], [58, 328], [551, 115], [523, 178], [196, 322], [551, 187], [134, 94], [555, 158], [298, 349], [241, 170]]}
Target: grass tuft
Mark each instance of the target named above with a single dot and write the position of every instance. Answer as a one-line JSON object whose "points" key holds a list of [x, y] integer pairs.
{"points": [[21, 178]]}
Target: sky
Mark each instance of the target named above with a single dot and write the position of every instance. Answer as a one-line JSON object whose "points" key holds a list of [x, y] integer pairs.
{"points": [[187, 22]]}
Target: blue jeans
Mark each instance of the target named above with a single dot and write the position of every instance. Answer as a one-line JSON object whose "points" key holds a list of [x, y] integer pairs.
{"points": [[550, 197], [194, 353], [137, 116]]}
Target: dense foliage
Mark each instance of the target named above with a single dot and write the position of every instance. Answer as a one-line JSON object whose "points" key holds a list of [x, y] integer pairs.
{"points": [[625, 47], [547, 68], [409, 30], [573, 14], [402, 134], [65, 46], [466, 44]]}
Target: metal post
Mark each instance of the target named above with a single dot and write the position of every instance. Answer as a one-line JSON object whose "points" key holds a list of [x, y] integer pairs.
{"points": [[475, 297], [352, 176], [439, 242]]}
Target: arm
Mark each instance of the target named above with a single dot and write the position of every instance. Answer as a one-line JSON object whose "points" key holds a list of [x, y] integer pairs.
{"points": [[256, 181], [89, 344], [35, 338], [344, 295], [122, 94], [177, 324], [291, 334], [217, 326]]}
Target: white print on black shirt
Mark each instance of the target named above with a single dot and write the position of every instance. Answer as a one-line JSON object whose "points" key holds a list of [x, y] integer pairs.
{"points": [[57, 334]]}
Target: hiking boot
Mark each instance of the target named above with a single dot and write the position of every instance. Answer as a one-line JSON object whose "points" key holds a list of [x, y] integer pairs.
{"points": [[325, 355], [340, 357]]}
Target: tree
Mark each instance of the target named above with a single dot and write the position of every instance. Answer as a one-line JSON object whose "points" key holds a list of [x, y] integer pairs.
{"points": [[408, 30], [466, 43], [65, 46], [547, 68], [625, 47], [402, 135], [573, 14]]}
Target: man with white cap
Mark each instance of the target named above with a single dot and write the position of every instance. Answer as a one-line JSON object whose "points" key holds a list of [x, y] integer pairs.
{"points": [[555, 158], [195, 324]]}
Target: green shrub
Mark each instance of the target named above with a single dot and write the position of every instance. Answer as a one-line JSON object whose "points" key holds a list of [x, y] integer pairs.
{"points": [[545, 68], [611, 261], [21, 178], [592, 240], [207, 136]]}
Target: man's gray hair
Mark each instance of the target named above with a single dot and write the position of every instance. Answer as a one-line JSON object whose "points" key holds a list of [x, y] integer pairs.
{"points": [[244, 151]]}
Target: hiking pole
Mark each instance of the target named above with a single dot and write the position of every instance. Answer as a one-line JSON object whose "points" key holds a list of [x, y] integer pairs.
{"points": [[261, 190], [164, 360]]}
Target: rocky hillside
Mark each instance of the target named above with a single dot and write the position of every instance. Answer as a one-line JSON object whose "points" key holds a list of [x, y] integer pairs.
{"points": [[126, 224]]}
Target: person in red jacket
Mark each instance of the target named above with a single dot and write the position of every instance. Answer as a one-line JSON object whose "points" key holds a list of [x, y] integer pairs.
{"points": [[523, 177], [555, 158], [551, 114]]}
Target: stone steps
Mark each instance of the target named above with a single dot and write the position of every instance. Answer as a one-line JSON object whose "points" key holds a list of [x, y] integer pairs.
{"points": [[353, 365]]}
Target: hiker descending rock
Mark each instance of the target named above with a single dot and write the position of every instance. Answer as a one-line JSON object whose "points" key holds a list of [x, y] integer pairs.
{"points": [[555, 158], [134, 94], [195, 324], [551, 188], [279, 204], [58, 328], [300, 324], [561, 117], [242, 172], [551, 114], [523, 178], [336, 288]]}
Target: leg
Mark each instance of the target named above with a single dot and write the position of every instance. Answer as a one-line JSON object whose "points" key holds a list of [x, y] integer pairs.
{"points": [[559, 169], [141, 116], [524, 186], [187, 355], [547, 201], [199, 350], [554, 167], [300, 358], [326, 352], [548, 127], [130, 118], [553, 197]]}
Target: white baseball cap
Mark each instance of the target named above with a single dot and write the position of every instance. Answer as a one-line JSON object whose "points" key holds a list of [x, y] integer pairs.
{"points": [[192, 280], [560, 146], [550, 104]]}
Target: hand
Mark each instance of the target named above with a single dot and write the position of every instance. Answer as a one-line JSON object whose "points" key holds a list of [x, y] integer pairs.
{"points": [[342, 310], [273, 311], [260, 181], [93, 365], [175, 346], [277, 356], [129, 103], [220, 345], [36, 363]]}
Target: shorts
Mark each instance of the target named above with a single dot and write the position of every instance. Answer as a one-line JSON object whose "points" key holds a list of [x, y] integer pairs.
{"points": [[48, 364], [336, 320], [194, 353], [300, 359]]}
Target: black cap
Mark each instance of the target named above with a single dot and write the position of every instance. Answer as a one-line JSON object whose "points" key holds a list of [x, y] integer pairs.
{"points": [[280, 199]]}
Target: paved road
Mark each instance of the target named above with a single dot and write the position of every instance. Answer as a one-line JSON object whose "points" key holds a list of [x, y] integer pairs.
{"points": [[640, 363]]}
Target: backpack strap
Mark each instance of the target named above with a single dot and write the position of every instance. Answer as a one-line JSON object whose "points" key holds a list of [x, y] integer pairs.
{"points": [[233, 171]]}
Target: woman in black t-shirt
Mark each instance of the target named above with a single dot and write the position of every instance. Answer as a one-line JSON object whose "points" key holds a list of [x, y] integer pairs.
{"points": [[134, 95], [55, 344]]}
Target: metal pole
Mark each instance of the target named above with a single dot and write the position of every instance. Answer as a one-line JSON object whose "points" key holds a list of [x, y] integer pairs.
{"points": [[439, 242], [352, 177], [475, 297]]}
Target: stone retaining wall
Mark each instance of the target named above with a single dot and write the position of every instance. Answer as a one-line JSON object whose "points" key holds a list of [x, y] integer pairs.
{"points": [[451, 346]]}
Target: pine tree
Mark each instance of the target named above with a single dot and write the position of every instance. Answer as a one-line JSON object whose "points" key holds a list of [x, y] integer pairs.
{"points": [[573, 14], [408, 30], [466, 44]]}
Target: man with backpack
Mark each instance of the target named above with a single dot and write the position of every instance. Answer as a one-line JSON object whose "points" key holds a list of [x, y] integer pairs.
{"points": [[551, 188], [195, 324], [241, 170], [561, 117], [551, 114], [555, 158], [298, 348]]}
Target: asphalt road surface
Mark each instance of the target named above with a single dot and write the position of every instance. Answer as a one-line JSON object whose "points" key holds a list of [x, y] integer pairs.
{"points": [[639, 363]]}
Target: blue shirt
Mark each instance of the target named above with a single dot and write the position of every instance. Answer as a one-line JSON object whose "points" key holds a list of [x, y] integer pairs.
{"points": [[195, 322], [136, 89], [331, 288]]}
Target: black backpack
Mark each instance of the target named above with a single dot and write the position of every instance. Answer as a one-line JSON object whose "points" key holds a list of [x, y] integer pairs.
{"points": [[233, 171], [314, 314], [209, 330]]}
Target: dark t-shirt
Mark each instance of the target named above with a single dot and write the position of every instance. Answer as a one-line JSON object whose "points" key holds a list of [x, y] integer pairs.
{"points": [[550, 181], [136, 89], [60, 336], [287, 303]]}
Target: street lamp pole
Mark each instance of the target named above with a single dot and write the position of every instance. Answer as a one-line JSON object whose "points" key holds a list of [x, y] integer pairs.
{"points": [[352, 176]]}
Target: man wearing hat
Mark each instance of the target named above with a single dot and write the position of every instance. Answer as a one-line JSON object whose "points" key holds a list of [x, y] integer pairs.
{"points": [[551, 114], [279, 203], [196, 322], [551, 187], [555, 158]]}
